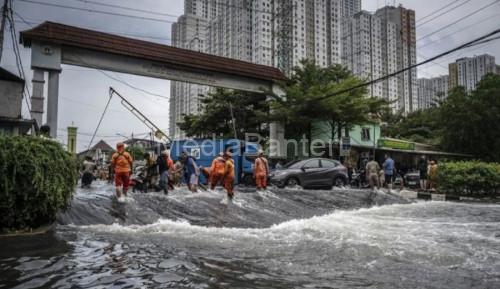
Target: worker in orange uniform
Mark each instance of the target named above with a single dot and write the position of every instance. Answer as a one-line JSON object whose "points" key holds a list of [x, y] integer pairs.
{"points": [[229, 174], [122, 164], [261, 171], [217, 171]]}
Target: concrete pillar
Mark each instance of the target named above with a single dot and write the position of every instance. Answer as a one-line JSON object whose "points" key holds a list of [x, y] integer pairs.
{"points": [[277, 147], [37, 98], [52, 102], [277, 140]]}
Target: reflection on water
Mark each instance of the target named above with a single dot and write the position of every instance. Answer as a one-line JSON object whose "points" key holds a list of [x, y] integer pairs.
{"points": [[269, 239]]}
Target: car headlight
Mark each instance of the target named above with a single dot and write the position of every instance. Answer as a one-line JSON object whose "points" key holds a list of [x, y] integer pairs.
{"points": [[277, 173]]}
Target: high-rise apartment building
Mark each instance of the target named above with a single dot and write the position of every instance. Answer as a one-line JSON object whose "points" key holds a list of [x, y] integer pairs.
{"points": [[406, 53], [374, 45], [468, 71], [369, 51], [189, 32], [277, 33], [431, 91]]}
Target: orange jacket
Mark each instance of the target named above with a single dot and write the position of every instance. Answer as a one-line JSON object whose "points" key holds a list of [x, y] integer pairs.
{"points": [[218, 166], [261, 167], [229, 170], [122, 162]]}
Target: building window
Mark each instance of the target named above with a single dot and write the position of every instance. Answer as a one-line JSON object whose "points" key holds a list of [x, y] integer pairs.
{"points": [[365, 134]]}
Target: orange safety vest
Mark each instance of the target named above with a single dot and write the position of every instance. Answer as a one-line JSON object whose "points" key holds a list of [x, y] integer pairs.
{"points": [[260, 167], [122, 162], [218, 166], [229, 169]]}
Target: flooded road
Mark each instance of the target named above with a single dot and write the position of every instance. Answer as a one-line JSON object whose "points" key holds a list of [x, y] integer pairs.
{"points": [[272, 239]]}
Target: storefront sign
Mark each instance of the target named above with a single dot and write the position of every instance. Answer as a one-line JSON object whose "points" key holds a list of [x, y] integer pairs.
{"points": [[395, 144]]}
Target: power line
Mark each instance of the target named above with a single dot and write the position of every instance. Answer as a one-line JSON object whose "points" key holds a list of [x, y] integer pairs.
{"points": [[436, 11], [460, 19], [481, 39], [447, 11], [100, 120], [96, 11], [461, 29], [144, 36], [17, 54], [127, 8]]}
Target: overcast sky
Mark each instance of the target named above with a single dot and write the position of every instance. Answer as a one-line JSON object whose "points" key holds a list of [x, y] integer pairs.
{"points": [[83, 93]]}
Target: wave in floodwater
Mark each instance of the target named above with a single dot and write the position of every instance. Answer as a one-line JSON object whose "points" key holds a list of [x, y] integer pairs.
{"points": [[272, 239]]}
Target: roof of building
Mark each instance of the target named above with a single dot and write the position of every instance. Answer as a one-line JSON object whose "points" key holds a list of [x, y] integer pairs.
{"points": [[103, 146], [9, 76], [72, 36]]}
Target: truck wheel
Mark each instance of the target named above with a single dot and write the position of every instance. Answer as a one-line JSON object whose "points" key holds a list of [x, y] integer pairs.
{"points": [[248, 181]]}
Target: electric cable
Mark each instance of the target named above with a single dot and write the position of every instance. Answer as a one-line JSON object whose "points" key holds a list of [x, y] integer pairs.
{"points": [[100, 120], [446, 12], [483, 39], [458, 20]]}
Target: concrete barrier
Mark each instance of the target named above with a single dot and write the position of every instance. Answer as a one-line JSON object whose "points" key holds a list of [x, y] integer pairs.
{"points": [[408, 194], [438, 197]]}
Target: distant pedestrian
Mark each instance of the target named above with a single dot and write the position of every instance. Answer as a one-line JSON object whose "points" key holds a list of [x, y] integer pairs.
{"points": [[432, 174], [122, 165], [381, 178], [349, 166], [372, 168], [177, 173], [88, 172], [422, 169], [164, 163], [217, 171], [388, 171], [229, 175], [192, 171], [261, 171]]}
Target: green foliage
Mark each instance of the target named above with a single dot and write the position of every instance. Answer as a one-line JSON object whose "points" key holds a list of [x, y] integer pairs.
{"points": [[137, 152], [305, 102], [470, 121], [37, 178], [250, 112], [466, 122], [469, 178], [421, 126]]}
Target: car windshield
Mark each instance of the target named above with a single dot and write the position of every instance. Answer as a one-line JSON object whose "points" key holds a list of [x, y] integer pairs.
{"points": [[296, 164]]}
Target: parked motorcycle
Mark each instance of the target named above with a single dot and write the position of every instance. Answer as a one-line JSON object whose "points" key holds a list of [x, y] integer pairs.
{"points": [[359, 179], [138, 180]]}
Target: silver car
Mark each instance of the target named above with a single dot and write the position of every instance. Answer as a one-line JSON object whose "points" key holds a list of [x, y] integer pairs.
{"points": [[310, 173]]}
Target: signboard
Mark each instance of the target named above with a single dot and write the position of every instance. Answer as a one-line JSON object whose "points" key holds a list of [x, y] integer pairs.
{"points": [[195, 153], [345, 146], [396, 144]]}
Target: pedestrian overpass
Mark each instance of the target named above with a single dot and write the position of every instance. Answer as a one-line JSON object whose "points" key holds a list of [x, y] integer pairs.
{"points": [[53, 44]]}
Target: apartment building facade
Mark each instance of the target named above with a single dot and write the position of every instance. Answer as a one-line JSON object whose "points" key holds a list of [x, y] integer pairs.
{"points": [[277, 33], [432, 91], [468, 71]]}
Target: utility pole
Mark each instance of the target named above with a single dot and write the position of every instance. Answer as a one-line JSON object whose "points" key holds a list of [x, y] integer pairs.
{"points": [[2, 25]]}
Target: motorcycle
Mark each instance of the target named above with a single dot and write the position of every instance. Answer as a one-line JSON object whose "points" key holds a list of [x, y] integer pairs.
{"points": [[359, 179], [138, 180]]}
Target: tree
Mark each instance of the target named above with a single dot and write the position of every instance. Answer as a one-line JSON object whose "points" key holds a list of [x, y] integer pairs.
{"points": [[306, 100], [469, 122], [420, 126], [226, 111], [463, 123]]}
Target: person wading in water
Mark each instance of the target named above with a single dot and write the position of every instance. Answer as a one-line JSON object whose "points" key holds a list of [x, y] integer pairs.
{"points": [[261, 171], [229, 174], [122, 164]]}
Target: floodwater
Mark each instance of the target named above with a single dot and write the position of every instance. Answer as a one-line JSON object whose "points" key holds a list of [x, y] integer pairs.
{"points": [[273, 239]]}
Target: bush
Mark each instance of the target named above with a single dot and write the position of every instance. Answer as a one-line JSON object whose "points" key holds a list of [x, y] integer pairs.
{"points": [[37, 178], [469, 178]]}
